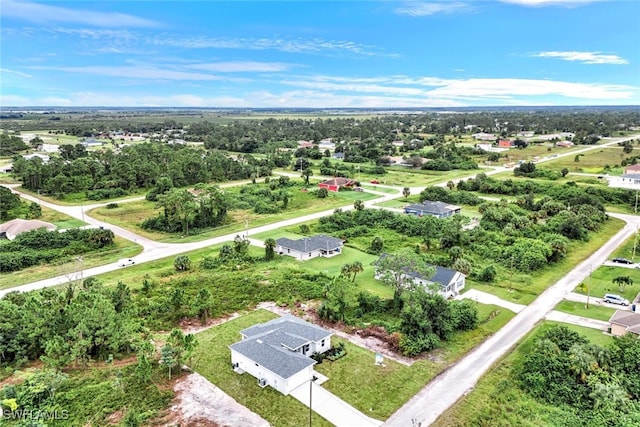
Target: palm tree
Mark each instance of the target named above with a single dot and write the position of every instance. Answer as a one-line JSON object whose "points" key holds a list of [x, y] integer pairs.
{"points": [[356, 268], [269, 249], [406, 192], [622, 281], [582, 287]]}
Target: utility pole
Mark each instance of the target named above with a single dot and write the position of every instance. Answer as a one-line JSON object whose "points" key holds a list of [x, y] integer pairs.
{"points": [[635, 242]]}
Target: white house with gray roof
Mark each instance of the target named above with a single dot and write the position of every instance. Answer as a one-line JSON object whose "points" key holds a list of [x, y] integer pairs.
{"points": [[310, 247], [451, 282], [278, 352], [437, 209]]}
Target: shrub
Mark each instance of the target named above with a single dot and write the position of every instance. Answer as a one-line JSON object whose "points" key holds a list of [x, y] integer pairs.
{"points": [[182, 263], [112, 205]]}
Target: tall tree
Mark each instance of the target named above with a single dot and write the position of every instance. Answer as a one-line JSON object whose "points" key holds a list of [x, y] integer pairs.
{"points": [[398, 269]]}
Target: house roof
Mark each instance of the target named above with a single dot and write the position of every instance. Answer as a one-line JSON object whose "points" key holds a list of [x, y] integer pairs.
{"points": [[308, 244], [271, 344], [630, 320], [338, 181], [16, 226], [631, 175], [442, 275], [291, 325], [632, 168], [280, 361], [434, 208]]}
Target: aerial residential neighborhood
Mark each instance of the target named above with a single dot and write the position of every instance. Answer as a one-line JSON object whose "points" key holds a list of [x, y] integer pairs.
{"points": [[352, 214]]}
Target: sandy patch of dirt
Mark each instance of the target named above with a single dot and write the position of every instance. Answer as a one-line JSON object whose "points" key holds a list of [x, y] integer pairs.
{"points": [[202, 404], [370, 342]]}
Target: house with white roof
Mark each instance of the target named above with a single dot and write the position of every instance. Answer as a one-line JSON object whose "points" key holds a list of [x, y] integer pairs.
{"points": [[277, 353]]}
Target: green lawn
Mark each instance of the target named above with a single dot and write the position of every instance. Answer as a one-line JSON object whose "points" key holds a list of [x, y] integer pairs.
{"points": [[600, 282], [594, 311], [212, 360]]}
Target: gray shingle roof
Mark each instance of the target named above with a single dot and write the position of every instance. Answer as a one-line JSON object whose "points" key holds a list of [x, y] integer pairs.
{"points": [[442, 275], [276, 359], [308, 244], [270, 344], [434, 208]]}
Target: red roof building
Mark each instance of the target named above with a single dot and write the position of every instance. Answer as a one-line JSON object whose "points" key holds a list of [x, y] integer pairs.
{"points": [[334, 184]]}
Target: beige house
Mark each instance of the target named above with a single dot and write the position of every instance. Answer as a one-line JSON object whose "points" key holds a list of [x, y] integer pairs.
{"points": [[11, 229], [623, 321]]}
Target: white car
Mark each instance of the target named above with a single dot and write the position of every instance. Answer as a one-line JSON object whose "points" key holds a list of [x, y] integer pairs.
{"points": [[125, 261]]}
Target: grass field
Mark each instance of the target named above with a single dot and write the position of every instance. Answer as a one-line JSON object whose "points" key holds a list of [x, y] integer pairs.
{"points": [[354, 377], [594, 311], [496, 400], [600, 282], [131, 215], [70, 267]]}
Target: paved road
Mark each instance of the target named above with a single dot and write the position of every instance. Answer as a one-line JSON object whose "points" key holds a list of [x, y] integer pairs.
{"points": [[445, 390]]}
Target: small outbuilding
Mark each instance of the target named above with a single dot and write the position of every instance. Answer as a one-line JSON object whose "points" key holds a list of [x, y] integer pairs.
{"points": [[13, 228], [277, 353]]}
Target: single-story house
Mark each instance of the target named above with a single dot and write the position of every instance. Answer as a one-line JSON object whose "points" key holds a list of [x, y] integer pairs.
{"points": [[623, 321], [11, 229], [452, 282], [319, 245], [334, 184], [629, 179], [305, 144], [278, 352], [339, 156], [505, 143], [632, 169], [437, 209], [6, 168], [565, 144], [326, 144], [484, 136], [43, 157], [526, 133]]}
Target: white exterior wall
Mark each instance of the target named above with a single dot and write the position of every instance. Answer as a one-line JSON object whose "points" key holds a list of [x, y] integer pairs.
{"points": [[317, 347], [298, 255], [296, 380], [258, 372]]}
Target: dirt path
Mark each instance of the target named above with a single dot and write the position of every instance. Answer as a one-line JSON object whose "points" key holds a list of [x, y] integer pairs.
{"points": [[202, 404]]}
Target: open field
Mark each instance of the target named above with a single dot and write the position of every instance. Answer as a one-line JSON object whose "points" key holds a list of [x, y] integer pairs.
{"points": [[498, 401], [601, 282], [131, 215]]}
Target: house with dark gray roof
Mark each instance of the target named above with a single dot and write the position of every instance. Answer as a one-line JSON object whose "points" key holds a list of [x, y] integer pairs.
{"points": [[451, 282], [310, 247], [437, 209], [278, 352]]}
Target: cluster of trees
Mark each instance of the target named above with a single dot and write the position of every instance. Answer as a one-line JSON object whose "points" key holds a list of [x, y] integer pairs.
{"points": [[68, 326], [11, 144], [603, 383], [42, 246], [529, 170], [184, 210], [11, 206], [448, 156], [134, 167]]}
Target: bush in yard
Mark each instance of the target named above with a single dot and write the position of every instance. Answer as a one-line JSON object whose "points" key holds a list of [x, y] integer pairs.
{"points": [[322, 193], [182, 263]]}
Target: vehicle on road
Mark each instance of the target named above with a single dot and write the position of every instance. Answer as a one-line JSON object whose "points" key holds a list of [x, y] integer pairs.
{"points": [[358, 189], [375, 181], [125, 262], [615, 299], [622, 261]]}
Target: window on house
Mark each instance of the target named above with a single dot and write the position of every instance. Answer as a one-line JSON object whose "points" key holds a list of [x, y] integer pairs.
{"points": [[322, 343]]}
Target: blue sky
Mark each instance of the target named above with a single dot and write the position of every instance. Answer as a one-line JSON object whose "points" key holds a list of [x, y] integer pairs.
{"points": [[386, 54]]}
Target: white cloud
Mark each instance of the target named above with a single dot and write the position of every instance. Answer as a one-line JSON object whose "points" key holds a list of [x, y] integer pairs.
{"points": [[4, 70], [135, 72], [540, 3], [431, 8], [586, 57], [281, 44], [43, 13], [241, 66]]}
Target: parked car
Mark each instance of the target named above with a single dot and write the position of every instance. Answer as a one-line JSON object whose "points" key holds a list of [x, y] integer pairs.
{"points": [[615, 299], [375, 181], [125, 261], [358, 189], [622, 261]]}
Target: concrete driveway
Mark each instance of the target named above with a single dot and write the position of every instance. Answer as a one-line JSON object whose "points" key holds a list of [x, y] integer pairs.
{"points": [[332, 408]]}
